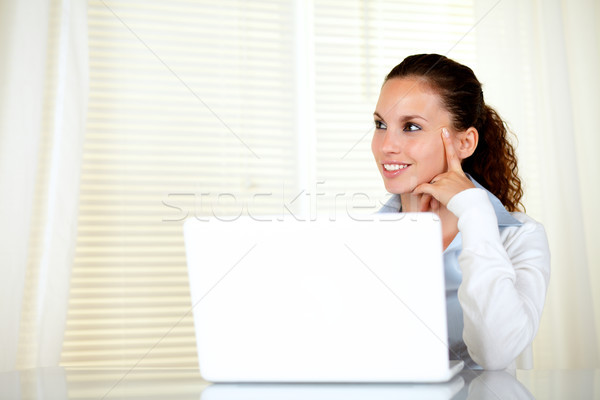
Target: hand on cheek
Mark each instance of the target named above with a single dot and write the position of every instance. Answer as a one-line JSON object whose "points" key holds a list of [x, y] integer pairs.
{"points": [[444, 186]]}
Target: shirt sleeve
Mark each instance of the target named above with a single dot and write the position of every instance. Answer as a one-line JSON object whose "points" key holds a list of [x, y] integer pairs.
{"points": [[504, 281]]}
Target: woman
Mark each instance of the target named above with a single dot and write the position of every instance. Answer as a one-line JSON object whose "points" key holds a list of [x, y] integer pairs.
{"points": [[440, 148]]}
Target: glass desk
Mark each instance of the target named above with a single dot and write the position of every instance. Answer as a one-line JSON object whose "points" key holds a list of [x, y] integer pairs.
{"points": [[65, 383]]}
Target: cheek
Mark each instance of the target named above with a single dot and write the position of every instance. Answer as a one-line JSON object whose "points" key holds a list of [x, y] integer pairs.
{"points": [[431, 155], [421, 149], [435, 155], [436, 158]]}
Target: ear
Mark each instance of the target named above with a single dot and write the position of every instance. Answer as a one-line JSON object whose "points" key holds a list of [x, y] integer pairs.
{"points": [[467, 143]]}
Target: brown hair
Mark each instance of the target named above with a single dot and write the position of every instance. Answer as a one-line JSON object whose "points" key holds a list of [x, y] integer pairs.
{"points": [[494, 162]]}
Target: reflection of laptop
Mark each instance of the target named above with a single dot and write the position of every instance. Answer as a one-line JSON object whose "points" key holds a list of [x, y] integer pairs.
{"points": [[334, 391], [319, 301]]}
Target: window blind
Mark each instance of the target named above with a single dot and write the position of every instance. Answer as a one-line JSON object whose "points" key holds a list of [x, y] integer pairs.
{"points": [[190, 112], [356, 44], [200, 108]]}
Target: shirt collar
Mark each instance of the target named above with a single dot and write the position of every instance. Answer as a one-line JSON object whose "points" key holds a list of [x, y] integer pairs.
{"points": [[502, 215]]}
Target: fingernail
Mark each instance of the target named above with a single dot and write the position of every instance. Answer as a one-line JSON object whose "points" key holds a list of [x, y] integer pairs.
{"points": [[445, 132]]}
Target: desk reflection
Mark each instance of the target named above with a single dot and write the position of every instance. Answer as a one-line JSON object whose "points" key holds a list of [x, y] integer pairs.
{"points": [[326, 391], [467, 385], [495, 385], [61, 383]]}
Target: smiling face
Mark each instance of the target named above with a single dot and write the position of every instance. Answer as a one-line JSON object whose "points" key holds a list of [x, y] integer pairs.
{"points": [[407, 142]]}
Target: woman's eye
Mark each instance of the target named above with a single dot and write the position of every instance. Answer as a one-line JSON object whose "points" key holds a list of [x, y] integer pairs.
{"points": [[410, 127], [380, 125]]}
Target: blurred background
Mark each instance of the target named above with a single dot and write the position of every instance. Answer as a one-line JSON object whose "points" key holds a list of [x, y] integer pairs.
{"points": [[121, 118]]}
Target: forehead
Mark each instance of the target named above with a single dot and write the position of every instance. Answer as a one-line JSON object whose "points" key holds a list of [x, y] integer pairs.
{"points": [[408, 96]]}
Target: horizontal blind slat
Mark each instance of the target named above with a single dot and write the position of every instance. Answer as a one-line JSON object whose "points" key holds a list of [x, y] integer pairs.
{"points": [[166, 90]]}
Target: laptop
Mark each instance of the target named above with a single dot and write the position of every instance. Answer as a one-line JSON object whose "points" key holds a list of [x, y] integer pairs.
{"points": [[327, 300]]}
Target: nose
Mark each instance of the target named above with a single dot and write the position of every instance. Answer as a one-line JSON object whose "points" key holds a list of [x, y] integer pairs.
{"points": [[390, 143]]}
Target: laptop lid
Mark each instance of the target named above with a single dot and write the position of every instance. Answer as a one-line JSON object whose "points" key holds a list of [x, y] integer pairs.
{"points": [[319, 301]]}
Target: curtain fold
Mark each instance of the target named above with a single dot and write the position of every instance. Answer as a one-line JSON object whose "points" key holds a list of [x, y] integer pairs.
{"points": [[582, 35], [567, 334], [539, 63], [43, 98]]}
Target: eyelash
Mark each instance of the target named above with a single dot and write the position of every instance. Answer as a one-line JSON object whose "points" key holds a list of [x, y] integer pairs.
{"points": [[410, 124], [380, 125], [408, 127]]}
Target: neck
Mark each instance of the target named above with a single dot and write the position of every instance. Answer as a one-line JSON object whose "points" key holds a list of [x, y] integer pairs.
{"points": [[412, 203]]}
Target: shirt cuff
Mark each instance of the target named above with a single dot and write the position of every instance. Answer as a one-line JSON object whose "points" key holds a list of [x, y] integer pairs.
{"points": [[476, 217]]}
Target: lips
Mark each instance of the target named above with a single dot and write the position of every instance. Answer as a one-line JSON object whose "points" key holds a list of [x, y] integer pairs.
{"points": [[392, 169]]}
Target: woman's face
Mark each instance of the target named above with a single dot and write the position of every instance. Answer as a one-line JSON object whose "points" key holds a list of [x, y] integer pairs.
{"points": [[407, 143]]}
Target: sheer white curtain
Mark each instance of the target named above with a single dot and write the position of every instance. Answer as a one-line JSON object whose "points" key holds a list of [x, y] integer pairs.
{"points": [[43, 96], [539, 62]]}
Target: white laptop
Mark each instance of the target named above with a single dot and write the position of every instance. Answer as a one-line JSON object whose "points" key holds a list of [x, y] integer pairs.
{"points": [[319, 301]]}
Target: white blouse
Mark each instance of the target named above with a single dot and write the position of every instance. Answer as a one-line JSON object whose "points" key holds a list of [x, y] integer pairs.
{"points": [[497, 271]]}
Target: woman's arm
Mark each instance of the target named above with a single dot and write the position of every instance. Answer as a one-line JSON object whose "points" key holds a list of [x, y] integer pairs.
{"points": [[505, 277]]}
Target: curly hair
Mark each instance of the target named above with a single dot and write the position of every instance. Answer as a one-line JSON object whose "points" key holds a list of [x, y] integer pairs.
{"points": [[494, 162]]}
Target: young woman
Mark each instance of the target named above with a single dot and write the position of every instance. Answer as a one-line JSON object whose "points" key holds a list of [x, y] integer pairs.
{"points": [[440, 148]]}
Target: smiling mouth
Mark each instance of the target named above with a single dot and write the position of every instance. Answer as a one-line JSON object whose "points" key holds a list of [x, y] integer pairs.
{"points": [[394, 167]]}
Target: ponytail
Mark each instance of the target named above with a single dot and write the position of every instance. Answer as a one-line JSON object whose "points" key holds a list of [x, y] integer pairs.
{"points": [[494, 162]]}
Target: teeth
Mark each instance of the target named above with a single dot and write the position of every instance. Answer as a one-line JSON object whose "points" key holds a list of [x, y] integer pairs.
{"points": [[394, 167]]}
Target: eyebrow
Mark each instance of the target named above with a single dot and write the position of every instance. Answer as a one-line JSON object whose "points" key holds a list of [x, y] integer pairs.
{"points": [[403, 118]]}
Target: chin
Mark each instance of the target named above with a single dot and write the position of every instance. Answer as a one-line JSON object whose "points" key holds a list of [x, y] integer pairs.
{"points": [[397, 189], [405, 184]]}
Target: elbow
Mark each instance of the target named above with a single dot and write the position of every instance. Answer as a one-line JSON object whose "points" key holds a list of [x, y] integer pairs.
{"points": [[494, 340], [498, 352], [492, 361]]}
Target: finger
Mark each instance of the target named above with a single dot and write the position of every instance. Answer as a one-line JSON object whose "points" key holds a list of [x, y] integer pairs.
{"points": [[423, 188], [451, 156], [425, 203], [434, 205]]}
